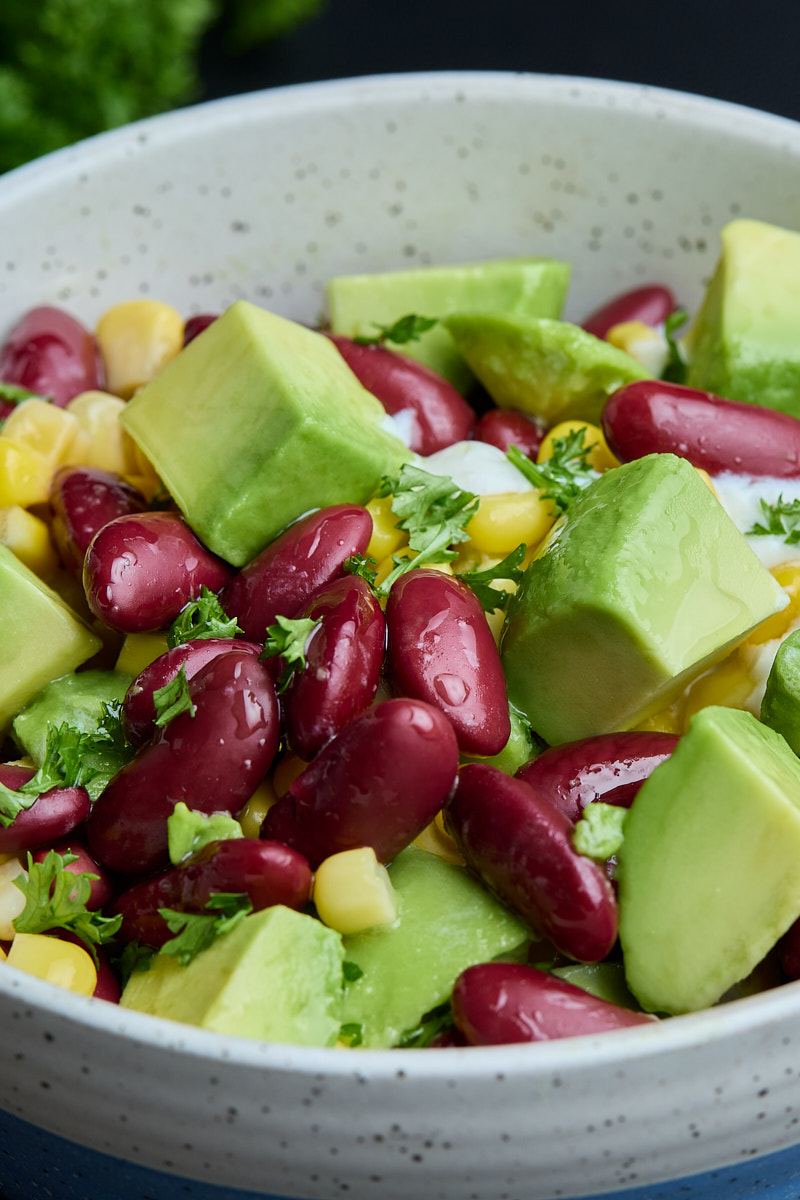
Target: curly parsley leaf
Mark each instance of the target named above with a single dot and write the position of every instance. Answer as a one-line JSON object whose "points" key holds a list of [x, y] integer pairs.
{"points": [[599, 833], [357, 564], [288, 639], [56, 898], [195, 932], [409, 328], [430, 1026], [173, 698], [480, 581], [434, 512], [352, 1032], [564, 475], [201, 619], [189, 831], [351, 971], [675, 367], [133, 959], [782, 519]]}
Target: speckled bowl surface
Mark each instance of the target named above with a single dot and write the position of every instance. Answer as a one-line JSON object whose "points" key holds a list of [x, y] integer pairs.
{"points": [[266, 196]]}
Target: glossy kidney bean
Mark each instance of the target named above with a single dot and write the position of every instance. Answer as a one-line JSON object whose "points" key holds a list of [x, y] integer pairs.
{"points": [[282, 578], [213, 761], [652, 417], [138, 710], [52, 814], [102, 889], [51, 353], [502, 427], [440, 649], [140, 571], [496, 1003], [610, 767], [344, 659], [651, 305], [83, 500], [267, 872], [196, 324], [520, 845], [378, 783], [439, 415]]}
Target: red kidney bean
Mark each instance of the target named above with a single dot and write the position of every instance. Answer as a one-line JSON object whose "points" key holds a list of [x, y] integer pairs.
{"points": [[520, 845], [651, 305], [282, 579], [52, 814], [267, 872], [378, 783], [441, 650], [502, 427], [212, 761], [195, 325], [610, 768], [343, 665], [102, 888], [140, 571], [496, 1003], [83, 500], [138, 710], [650, 417], [51, 353], [789, 951], [440, 414]]}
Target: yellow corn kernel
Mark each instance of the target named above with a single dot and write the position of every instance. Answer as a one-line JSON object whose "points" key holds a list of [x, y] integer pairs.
{"points": [[24, 474], [729, 684], [643, 343], [251, 818], [600, 457], [136, 339], [139, 471], [353, 891], [29, 538], [286, 771], [12, 901], [49, 958], [386, 537], [139, 650], [666, 720], [707, 480], [788, 576], [48, 430], [505, 520], [100, 440], [436, 840], [2, 954]]}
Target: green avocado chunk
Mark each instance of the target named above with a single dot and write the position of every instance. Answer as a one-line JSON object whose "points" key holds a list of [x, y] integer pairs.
{"points": [[531, 286], [606, 980], [256, 422], [745, 341], [708, 876], [549, 369], [447, 922], [277, 976], [40, 636], [780, 708], [643, 583]]}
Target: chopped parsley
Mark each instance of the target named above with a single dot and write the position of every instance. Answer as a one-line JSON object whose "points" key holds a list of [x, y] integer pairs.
{"points": [[202, 618], [782, 519], [675, 367], [352, 1032], [409, 328], [56, 898], [189, 831], [430, 1026], [351, 972], [481, 581], [599, 833], [357, 564], [133, 959], [12, 393], [288, 639], [173, 698], [195, 932], [564, 475]]}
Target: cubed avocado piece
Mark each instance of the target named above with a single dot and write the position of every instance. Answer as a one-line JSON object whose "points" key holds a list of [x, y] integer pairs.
{"points": [[642, 583], [780, 708], [530, 286], [40, 636], [606, 980], [708, 876], [254, 423], [550, 369], [277, 976], [447, 922], [744, 343]]}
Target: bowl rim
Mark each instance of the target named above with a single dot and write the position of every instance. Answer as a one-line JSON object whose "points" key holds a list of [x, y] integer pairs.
{"points": [[533, 1060]]}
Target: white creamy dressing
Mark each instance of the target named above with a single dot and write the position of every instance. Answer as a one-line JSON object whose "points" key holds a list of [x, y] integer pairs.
{"points": [[739, 495], [476, 467]]}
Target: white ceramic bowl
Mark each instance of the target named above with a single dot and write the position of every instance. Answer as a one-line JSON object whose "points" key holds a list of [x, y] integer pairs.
{"points": [[265, 196]]}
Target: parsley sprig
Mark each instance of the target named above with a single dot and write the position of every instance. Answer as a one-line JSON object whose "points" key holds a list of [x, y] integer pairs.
{"points": [[357, 564], [431, 1024], [675, 367], [202, 618], [195, 932], [599, 833], [173, 698], [564, 475], [56, 898], [781, 519], [480, 581], [407, 329], [288, 639]]}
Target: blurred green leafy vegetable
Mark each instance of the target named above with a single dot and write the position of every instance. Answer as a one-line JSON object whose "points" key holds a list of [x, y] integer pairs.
{"points": [[72, 68]]}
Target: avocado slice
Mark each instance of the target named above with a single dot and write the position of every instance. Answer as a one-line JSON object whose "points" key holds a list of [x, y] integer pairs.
{"points": [[708, 877], [641, 584], [447, 922], [530, 286], [780, 708], [41, 636], [276, 976], [256, 422], [744, 343], [550, 369]]}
